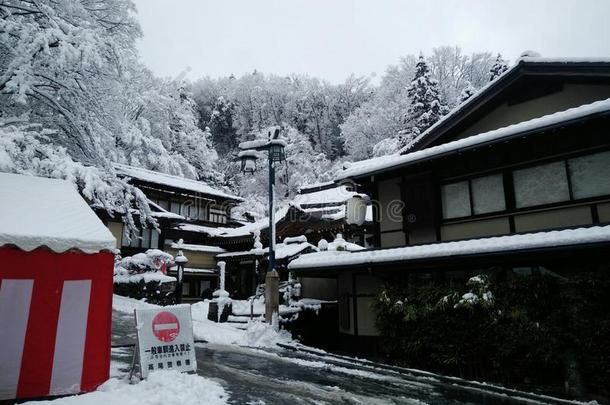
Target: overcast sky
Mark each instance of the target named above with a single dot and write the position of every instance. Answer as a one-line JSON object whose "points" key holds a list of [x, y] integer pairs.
{"points": [[331, 39]]}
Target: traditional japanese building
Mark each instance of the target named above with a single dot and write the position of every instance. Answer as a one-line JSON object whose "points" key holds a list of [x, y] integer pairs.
{"points": [[517, 178], [178, 202], [320, 211]]}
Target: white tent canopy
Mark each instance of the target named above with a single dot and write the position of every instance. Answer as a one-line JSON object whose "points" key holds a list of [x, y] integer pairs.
{"points": [[36, 211]]}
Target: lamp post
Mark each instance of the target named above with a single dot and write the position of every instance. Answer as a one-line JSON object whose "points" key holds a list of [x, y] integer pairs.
{"points": [[180, 261], [275, 154]]}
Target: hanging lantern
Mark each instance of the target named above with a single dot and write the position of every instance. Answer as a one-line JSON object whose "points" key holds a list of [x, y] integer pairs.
{"points": [[248, 161]]}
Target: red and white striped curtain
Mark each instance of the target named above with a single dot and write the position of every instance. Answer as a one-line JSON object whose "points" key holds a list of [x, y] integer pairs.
{"points": [[55, 312]]}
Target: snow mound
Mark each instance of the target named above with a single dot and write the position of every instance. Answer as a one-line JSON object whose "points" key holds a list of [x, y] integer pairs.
{"points": [[162, 387], [127, 305], [261, 334]]}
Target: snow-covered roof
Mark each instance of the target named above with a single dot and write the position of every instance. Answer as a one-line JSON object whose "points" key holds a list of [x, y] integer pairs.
{"points": [[197, 248], [336, 213], [172, 181], [566, 237], [540, 59], [36, 211], [332, 196], [325, 184], [245, 230], [194, 270], [383, 163], [160, 212], [282, 251], [472, 100], [261, 142]]}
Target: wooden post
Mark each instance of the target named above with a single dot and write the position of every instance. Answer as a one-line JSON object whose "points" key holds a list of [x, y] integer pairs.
{"points": [[272, 297]]}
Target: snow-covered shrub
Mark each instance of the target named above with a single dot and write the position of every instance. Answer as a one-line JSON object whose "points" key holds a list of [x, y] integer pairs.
{"points": [[499, 327], [479, 293], [141, 276]]}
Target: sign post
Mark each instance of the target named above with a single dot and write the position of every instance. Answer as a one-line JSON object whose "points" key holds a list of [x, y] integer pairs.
{"points": [[165, 339]]}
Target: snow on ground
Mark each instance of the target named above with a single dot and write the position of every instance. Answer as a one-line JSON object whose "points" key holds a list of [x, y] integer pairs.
{"points": [[165, 387], [257, 334], [127, 305]]}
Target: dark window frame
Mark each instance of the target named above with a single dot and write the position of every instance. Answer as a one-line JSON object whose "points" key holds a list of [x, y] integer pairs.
{"points": [[469, 180], [509, 188]]}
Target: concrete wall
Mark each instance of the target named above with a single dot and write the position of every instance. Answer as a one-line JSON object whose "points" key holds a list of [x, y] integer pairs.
{"points": [[572, 95], [319, 288]]}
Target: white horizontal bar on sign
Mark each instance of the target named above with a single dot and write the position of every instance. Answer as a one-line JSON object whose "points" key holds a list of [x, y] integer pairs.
{"points": [[166, 326]]}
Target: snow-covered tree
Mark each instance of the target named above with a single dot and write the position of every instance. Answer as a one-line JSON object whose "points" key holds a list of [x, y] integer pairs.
{"points": [[453, 69], [425, 108], [498, 68], [303, 166], [28, 149], [467, 92], [71, 67], [221, 126]]}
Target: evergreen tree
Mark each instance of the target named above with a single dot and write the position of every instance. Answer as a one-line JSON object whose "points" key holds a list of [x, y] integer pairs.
{"points": [[498, 68], [467, 92], [224, 134], [426, 107]]}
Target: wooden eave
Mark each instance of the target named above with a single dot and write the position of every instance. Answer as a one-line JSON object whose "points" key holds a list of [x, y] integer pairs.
{"points": [[497, 92]]}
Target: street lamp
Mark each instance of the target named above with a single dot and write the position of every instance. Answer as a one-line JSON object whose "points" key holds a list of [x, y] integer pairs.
{"points": [[275, 154], [248, 161], [180, 261]]}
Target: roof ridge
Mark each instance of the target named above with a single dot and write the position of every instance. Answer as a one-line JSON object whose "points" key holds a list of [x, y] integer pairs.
{"points": [[213, 190], [563, 116], [520, 62]]}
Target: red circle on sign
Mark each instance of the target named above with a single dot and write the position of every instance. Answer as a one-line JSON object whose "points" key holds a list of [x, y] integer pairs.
{"points": [[165, 326]]}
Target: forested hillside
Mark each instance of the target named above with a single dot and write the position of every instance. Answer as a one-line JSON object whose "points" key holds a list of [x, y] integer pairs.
{"points": [[75, 97]]}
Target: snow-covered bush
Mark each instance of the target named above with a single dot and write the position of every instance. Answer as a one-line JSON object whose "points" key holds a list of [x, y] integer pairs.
{"points": [[499, 327], [141, 276]]}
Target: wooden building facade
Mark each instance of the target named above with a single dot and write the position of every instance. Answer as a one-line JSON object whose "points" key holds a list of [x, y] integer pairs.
{"points": [[517, 177]]}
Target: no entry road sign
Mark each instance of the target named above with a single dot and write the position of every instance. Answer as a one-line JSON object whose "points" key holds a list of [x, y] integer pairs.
{"points": [[166, 326], [165, 339]]}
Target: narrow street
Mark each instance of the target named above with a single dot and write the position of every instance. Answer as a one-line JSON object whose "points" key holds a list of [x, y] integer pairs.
{"points": [[256, 376]]}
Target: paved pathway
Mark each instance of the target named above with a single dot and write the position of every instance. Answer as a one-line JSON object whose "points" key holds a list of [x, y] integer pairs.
{"points": [[254, 376]]}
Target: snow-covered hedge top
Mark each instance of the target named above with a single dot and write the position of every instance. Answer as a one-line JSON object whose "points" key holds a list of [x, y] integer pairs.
{"points": [[36, 211], [567, 237], [369, 166], [151, 260], [143, 266], [172, 181]]}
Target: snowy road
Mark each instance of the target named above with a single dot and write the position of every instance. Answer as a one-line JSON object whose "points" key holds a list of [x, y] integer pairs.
{"points": [[257, 376]]}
